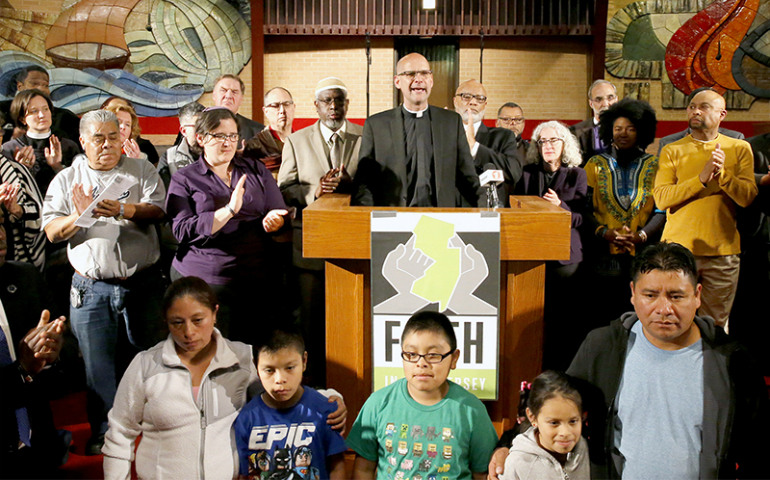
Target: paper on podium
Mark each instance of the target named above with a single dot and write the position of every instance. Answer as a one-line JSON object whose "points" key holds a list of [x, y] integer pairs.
{"points": [[114, 190]]}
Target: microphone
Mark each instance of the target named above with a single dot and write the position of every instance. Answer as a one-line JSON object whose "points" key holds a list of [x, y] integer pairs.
{"points": [[491, 178]]}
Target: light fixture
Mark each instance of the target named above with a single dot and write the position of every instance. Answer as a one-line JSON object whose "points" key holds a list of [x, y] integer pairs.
{"points": [[428, 4]]}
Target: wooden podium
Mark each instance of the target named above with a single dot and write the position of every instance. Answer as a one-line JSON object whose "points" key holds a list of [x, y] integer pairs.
{"points": [[531, 232]]}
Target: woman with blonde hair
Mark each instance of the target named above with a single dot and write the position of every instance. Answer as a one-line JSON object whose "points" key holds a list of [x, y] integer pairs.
{"points": [[133, 144]]}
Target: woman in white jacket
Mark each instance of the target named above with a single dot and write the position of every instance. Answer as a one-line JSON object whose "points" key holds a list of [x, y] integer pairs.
{"points": [[182, 396]]}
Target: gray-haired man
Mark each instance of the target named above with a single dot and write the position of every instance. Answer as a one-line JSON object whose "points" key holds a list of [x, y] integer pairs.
{"points": [[116, 279]]}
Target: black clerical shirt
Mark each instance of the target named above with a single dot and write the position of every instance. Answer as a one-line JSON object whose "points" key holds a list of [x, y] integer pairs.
{"points": [[420, 167]]}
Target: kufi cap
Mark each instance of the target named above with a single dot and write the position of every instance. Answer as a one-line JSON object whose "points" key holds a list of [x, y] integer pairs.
{"points": [[330, 83]]}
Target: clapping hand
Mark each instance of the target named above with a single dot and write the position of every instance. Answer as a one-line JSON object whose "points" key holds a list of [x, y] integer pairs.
{"points": [[53, 156], [131, 148], [9, 199], [25, 156], [332, 180], [81, 198], [273, 221], [552, 197], [714, 166], [42, 344]]}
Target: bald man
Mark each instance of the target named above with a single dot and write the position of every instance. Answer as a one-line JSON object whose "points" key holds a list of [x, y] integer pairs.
{"points": [[496, 146], [701, 180], [415, 155]]}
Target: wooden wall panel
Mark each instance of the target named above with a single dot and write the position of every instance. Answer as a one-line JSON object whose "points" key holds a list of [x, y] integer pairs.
{"points": [[450, 17]]}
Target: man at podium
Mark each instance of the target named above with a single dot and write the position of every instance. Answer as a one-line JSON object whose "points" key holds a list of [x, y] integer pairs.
{"points": [[415, 155]]}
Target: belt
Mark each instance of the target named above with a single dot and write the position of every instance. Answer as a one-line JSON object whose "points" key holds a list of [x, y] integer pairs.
{"points": [[122, 280]]}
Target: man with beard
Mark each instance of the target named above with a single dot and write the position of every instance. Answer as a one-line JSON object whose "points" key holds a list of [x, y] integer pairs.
{"points": [[488, 145], [415, 155], [317, 160], [680, 135], [701, 180], [601, 96]]}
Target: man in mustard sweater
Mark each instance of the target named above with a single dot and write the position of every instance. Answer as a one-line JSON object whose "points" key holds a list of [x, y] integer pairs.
{"points": [[701, 180]]}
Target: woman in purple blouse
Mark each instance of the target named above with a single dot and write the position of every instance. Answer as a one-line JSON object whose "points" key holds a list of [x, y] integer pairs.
{"points": [[223, 210]]}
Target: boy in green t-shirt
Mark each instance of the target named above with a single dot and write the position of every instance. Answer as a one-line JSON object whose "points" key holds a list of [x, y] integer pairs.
{"points": [[423, 427]]}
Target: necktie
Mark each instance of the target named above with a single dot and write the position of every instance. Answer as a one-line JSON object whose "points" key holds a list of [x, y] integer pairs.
{"points": [[22, 419], [336, 151]]}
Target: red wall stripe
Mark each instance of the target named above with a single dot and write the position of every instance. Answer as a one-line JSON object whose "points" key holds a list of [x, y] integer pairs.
{"points": [[170, 125]]}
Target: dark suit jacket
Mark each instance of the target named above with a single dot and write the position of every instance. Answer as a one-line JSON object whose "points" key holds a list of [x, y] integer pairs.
{"points": [[571, 184], [754, 221], [583, 131], [498, 147], [24, 295], [674, 137], [248, 128], [381, 177]]}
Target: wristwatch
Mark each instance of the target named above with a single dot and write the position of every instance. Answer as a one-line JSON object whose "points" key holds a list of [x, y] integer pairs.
{"points": [[122, 212]]}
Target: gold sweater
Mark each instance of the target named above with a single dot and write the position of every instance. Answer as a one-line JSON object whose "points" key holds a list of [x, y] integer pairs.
{"points": [[702, 218]]}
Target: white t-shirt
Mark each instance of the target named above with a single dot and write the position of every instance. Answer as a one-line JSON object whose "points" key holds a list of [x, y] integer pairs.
{"points": [[110, 248]]}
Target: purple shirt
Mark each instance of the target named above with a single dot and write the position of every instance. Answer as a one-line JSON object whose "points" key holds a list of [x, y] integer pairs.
{"points": [[242, 247]]}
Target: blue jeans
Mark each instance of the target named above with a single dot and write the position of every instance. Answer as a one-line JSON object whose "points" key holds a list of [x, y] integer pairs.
{"points": [[100, 311]]}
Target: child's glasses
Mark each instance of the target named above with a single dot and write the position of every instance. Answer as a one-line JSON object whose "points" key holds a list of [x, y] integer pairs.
{"points": [[413, 357]]}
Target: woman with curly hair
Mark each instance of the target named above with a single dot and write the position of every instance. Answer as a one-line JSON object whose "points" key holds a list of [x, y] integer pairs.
{"points": [[553, 155], [622, 211], [554, 175]]}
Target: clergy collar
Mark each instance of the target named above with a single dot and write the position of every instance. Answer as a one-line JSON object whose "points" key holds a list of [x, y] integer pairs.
{"points": [[418, 114], [39, 136]]}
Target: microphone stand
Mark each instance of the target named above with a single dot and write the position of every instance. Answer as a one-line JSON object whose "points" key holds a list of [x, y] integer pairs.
{"points": [[368, 65], [481, 58], [493, 200]]}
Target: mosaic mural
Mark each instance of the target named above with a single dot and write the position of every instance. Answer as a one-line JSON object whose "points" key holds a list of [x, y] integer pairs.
{"points": [[160, 54], [687, 44]]}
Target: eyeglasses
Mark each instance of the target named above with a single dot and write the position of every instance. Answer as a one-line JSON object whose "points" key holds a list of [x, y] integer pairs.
{"points": [[511, 120], [467, 97], [434, 358], [278, 105], [552, 141], [221, 137], [331, 101], [410, 74]]}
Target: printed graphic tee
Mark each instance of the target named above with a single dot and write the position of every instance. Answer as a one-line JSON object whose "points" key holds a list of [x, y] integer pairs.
{"points": [[448, 440], [290, 444]]}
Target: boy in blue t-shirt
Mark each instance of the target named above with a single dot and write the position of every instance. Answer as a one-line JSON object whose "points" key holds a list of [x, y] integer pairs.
{"points": [[282, 434], [423, 427]]}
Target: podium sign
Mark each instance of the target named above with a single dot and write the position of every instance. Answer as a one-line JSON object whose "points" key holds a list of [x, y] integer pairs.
{"points": [[445, 262]]}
